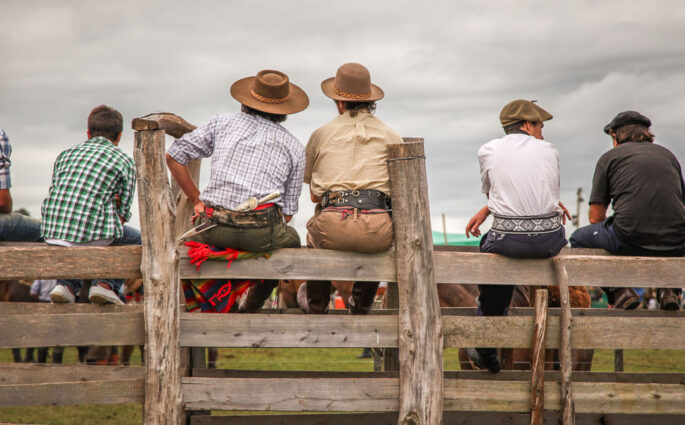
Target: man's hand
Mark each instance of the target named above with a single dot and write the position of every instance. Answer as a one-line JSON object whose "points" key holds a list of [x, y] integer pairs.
{"points": [[565, 214], [473, 226], [198, 209]]}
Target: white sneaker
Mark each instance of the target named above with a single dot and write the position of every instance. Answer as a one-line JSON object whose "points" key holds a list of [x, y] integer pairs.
{"points": [[100, 295], [62, 295]]}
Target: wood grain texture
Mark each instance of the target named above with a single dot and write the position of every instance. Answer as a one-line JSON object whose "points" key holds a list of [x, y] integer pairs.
{"points": [[297, 330], [34, 261], [299, 263], [69, 393], [299, 394], [20, 331], [381, 395], [163, 398], [259, 330], [420, 327], [451, 418], [568, 415], [43, 373], [450, 267], [625, 271], [391, 357], [537, 389], [52, 262], [39, 309]]}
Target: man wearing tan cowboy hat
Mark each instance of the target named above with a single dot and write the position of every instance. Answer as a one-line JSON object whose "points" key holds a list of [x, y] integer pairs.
{"points": [[348, 179], [520, 176], [253, 155], [643, 182]]}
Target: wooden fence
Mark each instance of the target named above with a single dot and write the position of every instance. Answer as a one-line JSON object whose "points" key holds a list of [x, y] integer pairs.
{"points": [[416, 392]]}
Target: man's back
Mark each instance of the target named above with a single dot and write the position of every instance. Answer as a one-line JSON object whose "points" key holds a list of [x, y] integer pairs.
{"points": [[644, 181], [521, 175], [350, 153], [81, 206]]}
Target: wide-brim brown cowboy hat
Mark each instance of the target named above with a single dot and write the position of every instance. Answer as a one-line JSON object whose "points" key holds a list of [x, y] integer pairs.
{"points": [[271, 92], [352, 83]]}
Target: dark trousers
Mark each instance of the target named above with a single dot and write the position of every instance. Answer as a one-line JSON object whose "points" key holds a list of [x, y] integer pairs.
{"points": [[319, 295], [602, 235], [130, 236], [495, 299]]}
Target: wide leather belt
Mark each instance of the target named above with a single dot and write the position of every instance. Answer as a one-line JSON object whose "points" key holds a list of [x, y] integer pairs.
{"points": [[546, 223], [245, 219], [363, 199]]}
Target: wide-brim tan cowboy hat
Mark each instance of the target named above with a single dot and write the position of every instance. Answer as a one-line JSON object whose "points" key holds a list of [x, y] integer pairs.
{"points": [[352, 83], [271, 92]]}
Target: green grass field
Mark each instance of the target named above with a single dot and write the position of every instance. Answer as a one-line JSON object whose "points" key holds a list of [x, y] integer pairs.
{"points": [[315, 359]]}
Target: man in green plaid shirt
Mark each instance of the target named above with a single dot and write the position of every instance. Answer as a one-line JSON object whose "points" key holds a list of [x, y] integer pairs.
{"points": [[90, 198]]}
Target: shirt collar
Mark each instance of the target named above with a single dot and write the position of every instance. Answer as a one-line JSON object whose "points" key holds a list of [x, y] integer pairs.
{"points": [[100, 139]]}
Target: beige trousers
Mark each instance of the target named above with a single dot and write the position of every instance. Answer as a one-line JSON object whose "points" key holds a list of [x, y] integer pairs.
{"points": [[353, 231]]}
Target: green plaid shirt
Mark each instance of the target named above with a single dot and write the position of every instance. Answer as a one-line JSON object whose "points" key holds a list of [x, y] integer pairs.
{"points": [[81, 206]]}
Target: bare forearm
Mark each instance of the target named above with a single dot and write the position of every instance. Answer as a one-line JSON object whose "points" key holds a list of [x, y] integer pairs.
{"points": [[597, 213], [5, 201], [185, 181]]}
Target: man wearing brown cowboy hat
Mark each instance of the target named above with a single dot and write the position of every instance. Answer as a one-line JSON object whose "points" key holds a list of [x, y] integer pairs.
{"points": [[252, 156], [520, 177], [348, 179], [644, 183]]}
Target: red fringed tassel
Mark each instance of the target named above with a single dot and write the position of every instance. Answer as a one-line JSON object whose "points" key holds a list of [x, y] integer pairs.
{"points": [[199, 252]]}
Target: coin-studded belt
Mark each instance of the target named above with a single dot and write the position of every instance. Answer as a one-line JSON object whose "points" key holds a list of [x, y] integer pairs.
{"points": [[364, 199]]}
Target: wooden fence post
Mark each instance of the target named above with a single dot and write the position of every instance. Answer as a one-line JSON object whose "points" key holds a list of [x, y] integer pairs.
{"points": [[568, 414], [537, 387], [159, 267], [391, 361], [420, 326]]}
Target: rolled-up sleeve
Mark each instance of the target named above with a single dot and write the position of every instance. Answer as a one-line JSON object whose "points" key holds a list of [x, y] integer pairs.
{"points": [[484, 178], [293, 186], [199, 143], [5, 152]]}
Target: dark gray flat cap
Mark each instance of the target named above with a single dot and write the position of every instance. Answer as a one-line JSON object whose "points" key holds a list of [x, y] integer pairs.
{"points": [[627, 118]]}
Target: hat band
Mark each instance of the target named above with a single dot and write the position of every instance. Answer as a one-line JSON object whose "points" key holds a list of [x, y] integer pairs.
{"points": [[268, 99], [350, 95]]}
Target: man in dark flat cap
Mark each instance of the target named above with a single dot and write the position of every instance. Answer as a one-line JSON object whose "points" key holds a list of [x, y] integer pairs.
{"points": [[644, 184], [520, 177]]}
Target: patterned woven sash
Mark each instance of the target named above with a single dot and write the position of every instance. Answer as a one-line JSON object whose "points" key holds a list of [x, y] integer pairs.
{"points": [[546, 223]]}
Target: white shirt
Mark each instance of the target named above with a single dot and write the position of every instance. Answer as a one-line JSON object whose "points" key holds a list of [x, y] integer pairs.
{"points": [[521, 175]]}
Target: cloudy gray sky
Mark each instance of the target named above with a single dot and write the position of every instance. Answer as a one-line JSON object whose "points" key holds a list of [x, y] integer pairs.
{"points": [[447, 69]]}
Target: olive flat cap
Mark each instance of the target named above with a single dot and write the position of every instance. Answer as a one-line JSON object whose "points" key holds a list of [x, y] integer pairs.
{"points": [[627, 118], [522, 110]]}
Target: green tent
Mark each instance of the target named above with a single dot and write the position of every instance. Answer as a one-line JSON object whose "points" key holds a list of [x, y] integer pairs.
{"points": [[454, 239]]}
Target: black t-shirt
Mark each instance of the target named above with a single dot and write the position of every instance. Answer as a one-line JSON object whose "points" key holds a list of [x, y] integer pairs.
{"points": [[645, 182]]}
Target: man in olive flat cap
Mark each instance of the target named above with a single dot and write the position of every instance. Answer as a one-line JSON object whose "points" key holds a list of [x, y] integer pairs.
{"points": [[520, 176], [644, 184], [348, 179]]}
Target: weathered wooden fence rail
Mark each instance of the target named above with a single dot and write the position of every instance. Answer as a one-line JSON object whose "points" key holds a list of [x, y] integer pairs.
{"points": [[419, 393], [30, 325]]}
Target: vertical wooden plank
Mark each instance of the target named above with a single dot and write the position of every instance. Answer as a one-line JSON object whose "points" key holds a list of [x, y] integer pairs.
{"points": [[537, 387], [420, 326], [159, 267], [568, 416], [391, 357]]}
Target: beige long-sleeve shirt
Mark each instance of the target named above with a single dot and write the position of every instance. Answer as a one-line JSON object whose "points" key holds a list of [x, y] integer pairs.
{"points": [[349, 153]]}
